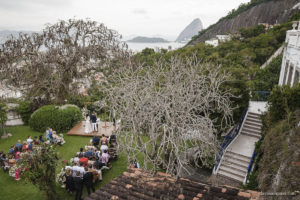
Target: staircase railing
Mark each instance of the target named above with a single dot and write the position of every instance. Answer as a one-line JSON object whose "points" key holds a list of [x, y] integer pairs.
{"points": [[250, 166], [229, 138]]}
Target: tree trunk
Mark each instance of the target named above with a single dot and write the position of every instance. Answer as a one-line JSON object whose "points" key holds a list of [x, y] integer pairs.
{"points": [[4, 135], [63, 88]]}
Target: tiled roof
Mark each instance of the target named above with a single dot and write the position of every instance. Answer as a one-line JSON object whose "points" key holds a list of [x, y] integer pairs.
{"points": [[136, 184]]}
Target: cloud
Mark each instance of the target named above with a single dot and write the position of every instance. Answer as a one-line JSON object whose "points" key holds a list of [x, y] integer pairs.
{"points": [[139, 11], [19, 5]]}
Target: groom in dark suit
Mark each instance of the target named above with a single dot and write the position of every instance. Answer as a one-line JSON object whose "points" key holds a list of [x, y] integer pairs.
{"points": [[94, 121]]}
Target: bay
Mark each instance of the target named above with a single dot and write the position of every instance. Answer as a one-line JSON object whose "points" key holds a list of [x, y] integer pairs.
{"points": [[137, 47]]}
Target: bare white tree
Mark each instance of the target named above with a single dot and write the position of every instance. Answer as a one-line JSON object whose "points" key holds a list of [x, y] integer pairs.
{"points": [[51, 62], [169, 108]]}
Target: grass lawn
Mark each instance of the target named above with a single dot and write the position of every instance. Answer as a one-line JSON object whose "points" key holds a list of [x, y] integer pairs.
{"points": [[19, 190]]}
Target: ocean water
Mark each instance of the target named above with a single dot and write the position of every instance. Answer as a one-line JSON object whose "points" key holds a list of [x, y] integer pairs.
{"points": [[137, 47]]}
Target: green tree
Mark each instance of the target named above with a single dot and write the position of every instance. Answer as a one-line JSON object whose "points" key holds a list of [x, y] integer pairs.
{"points": [[40, 168], [3, 118]]}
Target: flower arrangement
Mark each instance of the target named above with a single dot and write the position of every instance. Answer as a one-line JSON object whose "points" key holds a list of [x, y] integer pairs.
{"points": [[12, 171], [61, 178]]}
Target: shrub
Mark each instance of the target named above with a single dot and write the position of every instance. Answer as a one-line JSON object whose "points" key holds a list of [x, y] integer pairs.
{"points": [[282, 101], [58, 118], [79, 100], [24, 110]]}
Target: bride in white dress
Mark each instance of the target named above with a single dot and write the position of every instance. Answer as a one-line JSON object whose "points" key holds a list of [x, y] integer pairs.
{"points": [[88, 126]]}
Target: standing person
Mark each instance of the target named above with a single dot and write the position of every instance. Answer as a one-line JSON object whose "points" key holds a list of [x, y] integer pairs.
{"points": [[69, 181], [87, 128], [94, 122], [88, 180], [78, 183]]}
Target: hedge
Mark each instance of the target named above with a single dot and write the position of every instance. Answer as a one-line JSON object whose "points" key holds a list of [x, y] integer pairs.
{"points": [[60, 119]]}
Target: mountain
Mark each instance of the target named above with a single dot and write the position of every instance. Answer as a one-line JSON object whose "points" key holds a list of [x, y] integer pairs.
{"points": [[141, 39], [191, 30], [5, 34], [247, 15]]}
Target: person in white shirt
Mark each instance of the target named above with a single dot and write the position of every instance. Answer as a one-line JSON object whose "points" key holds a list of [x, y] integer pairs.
{"points": [[103, 147], [29, 140], [81, 170]]}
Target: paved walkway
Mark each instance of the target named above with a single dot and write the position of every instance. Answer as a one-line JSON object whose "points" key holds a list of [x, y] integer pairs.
{"points": [[102, 129]]}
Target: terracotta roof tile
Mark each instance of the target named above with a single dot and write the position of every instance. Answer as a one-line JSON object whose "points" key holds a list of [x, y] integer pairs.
{"points": [[136, 184]]}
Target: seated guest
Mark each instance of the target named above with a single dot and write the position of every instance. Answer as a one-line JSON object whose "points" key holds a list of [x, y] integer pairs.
{"points": [[103, 147], [81, 153], [103, 139], [11, 151], [35, 141], [76, 161], [17, 155], [89, 154], [47, 131], [30, 146], [105, 157], [2, 158], [96, 141], [51, 135], [19, 146], [25, 146], [98, 164], [41, 140], [112, 139], [4, 162], [29, 140], [84, 161], [98, 155]]}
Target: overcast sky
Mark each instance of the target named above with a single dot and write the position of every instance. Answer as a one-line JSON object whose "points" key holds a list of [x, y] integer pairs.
{"points": [[129, 17]]}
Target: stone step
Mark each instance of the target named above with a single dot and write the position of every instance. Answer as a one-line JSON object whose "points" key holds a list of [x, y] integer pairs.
{"points": [[254, 115], [238, 163], [242, 169], [252, 127], [250, 130], [251, 134], [252, 123], [231, 175], [233, 171], [236, 156], [254, 120]]}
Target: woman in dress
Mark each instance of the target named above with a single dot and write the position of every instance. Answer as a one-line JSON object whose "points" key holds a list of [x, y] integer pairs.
{"points": [[88, 127]]}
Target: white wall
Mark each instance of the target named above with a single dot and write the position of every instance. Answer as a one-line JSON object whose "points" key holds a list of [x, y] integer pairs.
{"points": [[290, 67]]}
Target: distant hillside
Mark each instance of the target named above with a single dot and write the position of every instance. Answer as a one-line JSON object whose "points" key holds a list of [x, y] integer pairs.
{"points": [[147, 40], [247, 15], [5, 34], [191, 30]]}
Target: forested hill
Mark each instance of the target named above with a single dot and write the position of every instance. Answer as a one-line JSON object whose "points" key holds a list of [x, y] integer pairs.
{"points": [[247, 15]]}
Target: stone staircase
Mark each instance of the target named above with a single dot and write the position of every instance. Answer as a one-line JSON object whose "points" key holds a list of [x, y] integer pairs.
{"points": [[236, 159]]}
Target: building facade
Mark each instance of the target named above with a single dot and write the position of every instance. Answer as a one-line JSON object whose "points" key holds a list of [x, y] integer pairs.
{"points": [[290, 67]]}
